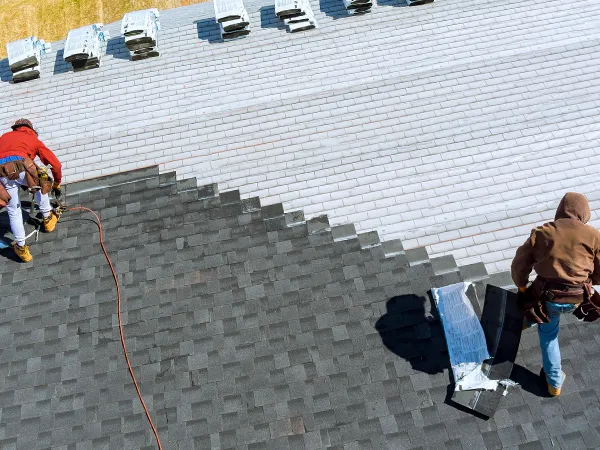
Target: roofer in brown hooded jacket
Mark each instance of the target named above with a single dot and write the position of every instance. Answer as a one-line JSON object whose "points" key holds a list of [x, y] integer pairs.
{"points": [[18, 149], [565, 255]]}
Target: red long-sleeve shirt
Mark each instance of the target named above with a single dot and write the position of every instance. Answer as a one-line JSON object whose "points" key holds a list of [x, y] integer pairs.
{"points": [[24, 142]]}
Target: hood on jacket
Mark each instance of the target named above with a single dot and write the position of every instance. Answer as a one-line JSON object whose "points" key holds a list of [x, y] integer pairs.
{"points": [[26, 130], [573, 206]]}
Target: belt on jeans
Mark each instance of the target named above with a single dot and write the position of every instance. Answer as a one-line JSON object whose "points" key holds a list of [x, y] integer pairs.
{"points": [[565, 304], [8, 159]]}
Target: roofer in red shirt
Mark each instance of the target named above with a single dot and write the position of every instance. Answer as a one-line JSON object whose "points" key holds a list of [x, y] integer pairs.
{"points": [[18, 149]]}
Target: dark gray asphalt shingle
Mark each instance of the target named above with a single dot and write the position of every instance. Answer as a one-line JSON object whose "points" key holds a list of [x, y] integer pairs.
{"points": [[246, 332]]}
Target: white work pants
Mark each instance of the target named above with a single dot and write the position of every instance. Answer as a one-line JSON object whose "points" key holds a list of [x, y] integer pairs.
{"points": [[14, 206]]}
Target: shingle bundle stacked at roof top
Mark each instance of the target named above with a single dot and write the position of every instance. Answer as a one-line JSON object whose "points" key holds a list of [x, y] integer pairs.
{"points": [[140, 29], [232, 17], [357, 7], [24, 58], [84, 46], [297, 14], [418, 2]]}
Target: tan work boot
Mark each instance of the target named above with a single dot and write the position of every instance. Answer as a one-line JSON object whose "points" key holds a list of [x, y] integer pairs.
{"points": [[50, 222], [555, 392], [22, 252]]}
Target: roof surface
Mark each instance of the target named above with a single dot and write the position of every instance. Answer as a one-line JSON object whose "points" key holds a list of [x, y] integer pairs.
{"points": [[249, 327], [452, 125]]}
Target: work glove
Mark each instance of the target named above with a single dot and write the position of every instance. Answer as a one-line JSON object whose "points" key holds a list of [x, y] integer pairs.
{"points": [[56, 190]]}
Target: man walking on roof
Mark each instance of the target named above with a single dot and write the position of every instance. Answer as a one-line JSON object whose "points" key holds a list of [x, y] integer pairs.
{"points": [[18, 149], [565, 254]]}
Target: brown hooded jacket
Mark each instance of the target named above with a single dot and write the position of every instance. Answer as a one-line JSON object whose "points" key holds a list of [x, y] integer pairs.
{"points": [[566, 250]]}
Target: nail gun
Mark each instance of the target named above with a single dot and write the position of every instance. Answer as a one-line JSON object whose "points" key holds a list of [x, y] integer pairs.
{"points": [[58, 202]]}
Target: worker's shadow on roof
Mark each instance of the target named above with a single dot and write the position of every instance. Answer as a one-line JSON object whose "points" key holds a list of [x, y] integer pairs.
{"points": [[529, 381], [208, 30], [6, 250], [411, 329], [5, 73]]}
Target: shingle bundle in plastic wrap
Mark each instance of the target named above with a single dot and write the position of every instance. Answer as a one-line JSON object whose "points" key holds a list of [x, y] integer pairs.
{"points": [[232, 17], [84, 46], [296, 14], [357, 7], [25, 57], [466, 342], [140, 29]]}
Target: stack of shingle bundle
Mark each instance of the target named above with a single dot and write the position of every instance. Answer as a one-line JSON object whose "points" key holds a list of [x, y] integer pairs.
{"points": [[232, 18], [84, 46], [140, 29], [357, 7], [297, 14], [24, 58]]}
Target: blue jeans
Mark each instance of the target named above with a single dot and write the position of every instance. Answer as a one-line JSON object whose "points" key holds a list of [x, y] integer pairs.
{"points": [[548, 333]]}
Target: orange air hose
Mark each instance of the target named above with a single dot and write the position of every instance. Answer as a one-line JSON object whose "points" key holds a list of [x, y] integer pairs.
{"points": [[114, 274]]}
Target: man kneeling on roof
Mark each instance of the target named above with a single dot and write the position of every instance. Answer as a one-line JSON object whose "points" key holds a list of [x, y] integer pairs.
{"points": [[18, 149], [565, 254]]}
